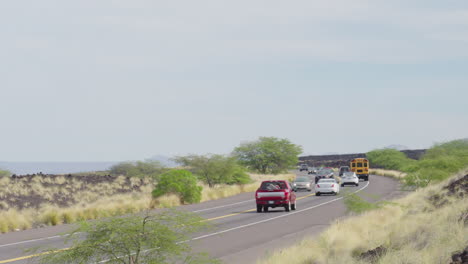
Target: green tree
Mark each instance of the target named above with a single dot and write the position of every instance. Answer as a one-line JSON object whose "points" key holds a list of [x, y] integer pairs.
{"points": [[180, 182], [149, 168], [268, 155], [215, 169], [151, 238]]}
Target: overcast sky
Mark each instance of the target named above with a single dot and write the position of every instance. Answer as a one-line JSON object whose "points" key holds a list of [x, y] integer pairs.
{"points": [[126, 80]]}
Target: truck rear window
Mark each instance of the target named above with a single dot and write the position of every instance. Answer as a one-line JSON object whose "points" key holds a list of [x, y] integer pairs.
{"points": [[273, 185]]}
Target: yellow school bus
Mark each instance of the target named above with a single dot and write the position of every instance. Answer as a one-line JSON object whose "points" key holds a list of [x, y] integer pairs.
{"points": [[361, 167]]}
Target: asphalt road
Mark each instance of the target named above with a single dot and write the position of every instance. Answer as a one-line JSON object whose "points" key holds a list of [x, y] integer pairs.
{"points": [[241, 235]]}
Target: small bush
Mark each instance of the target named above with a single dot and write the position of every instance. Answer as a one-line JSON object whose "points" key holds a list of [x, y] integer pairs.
{"points": [[180, 182]]}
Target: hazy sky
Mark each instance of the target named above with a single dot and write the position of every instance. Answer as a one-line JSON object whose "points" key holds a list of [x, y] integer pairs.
{"points": [[125, 80]]}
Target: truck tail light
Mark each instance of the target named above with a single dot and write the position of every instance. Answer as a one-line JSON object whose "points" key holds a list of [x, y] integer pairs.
{"points": [[318, 186], [256, 195], [333, 185]]}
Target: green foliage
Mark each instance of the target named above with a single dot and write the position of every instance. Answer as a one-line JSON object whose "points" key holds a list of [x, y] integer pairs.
{"points": [[180, 182], [268, 155], [215, 169], [150, 168], [391, 159], [150, 238], [439, 162], [4, 173]]}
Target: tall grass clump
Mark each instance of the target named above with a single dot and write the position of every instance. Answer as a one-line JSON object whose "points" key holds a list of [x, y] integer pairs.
{"points": [[4, 173]]}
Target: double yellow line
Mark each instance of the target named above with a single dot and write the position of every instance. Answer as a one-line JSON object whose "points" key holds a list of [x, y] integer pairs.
{"points": [[209, 219]]}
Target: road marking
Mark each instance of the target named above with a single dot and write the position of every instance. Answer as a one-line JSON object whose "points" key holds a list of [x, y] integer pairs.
{"points": [[32, 256], [210, 219], [212, 208]]}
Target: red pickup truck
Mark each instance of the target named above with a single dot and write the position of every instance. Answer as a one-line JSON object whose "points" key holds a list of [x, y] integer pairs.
{"points": [[275, 194]]}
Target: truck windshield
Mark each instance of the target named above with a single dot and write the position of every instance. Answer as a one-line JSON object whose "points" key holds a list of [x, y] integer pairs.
{"points": [[273, 185]]}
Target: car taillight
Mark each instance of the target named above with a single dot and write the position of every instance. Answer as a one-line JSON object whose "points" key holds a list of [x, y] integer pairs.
{"points": [[318, 186], [333, 185], [256, 195]]}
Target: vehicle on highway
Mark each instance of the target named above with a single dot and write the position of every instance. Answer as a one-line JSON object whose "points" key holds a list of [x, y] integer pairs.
{"points": [[302, 183], [349, 178], [327, 186], [304, 167], [361, 167], [323, 174], [275, 193], [312, 170], [343, 169]]}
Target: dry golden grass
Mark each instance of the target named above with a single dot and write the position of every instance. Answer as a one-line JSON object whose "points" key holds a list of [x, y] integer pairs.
{"points": [[388, 173], [99, 200], [412, 229]]}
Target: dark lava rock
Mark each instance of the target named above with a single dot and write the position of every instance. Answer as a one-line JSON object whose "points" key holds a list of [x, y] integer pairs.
{"points": [[373, 255], [460, 257]]}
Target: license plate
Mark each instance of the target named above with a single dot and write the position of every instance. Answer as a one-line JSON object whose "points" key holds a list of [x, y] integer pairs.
{"points": [[271, 202]]}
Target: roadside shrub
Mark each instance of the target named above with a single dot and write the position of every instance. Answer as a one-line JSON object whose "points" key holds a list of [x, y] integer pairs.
{"points": [[215, 169], [180, 182], [390, 159], [438, 163], [140, 169]]}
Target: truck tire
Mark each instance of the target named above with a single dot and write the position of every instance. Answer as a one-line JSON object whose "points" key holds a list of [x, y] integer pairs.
{"points": [[287, 207], [259, 208], [293, 206], [265, 208], [317, 194]]}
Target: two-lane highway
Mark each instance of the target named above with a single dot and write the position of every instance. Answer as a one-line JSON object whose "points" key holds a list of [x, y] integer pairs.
{"points": [[241, 235]]}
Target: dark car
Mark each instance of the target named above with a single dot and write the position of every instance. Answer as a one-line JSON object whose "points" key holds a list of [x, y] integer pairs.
{"points": [[323, 174], [304, 167], [343, 169]]}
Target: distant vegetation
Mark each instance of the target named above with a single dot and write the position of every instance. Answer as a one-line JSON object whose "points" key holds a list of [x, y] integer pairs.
{"points": [[180, 182], [437, 164], [268, 155], [4, 173], [138, 169], [215, 169]]}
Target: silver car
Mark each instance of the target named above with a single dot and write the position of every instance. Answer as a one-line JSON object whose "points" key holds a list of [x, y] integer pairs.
{"points": [[302, 183]]}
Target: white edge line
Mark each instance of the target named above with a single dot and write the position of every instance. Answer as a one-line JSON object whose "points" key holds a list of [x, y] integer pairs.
{"points": [[221, 206]]}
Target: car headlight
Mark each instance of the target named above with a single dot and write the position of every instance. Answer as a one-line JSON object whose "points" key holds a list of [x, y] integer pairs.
{"points": [[294, 184]]}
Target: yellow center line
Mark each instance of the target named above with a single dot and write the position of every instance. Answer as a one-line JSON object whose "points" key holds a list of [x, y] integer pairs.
{"points": [[209, 219]]}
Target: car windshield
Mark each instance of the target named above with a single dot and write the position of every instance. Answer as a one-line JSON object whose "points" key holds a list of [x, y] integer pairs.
{"points": [[348, 174], [273, 185], [326, 181], [304, 166], [302, 179]]}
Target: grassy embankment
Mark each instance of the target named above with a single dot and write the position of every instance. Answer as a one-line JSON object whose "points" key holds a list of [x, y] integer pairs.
{"points": [[35, 201], [426, 226]]}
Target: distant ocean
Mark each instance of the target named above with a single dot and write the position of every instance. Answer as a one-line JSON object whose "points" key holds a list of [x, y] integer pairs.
{"points": [[54, 167]]}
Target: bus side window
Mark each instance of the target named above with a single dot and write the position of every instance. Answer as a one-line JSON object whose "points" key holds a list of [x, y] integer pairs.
{"points": [[365, 164], [353, 165]]}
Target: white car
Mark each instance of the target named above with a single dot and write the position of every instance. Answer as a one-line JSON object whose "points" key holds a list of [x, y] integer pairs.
{"points": [[349, 178], [327, 186]]}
